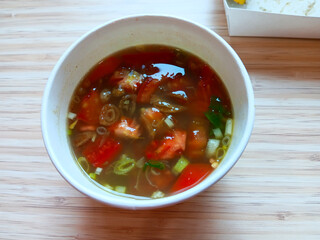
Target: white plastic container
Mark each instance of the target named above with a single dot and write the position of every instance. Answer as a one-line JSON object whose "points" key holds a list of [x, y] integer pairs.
{"points": [[244, 22], [122, 33]]}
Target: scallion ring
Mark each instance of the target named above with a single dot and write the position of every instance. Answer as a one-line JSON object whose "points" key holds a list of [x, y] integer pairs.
{"points": [[124, 165], [220, 153], [102, 130], [226, 140], [84, 163]]}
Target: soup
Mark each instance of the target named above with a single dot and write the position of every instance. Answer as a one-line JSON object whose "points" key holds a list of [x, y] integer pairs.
{"points": [[150, 121]]}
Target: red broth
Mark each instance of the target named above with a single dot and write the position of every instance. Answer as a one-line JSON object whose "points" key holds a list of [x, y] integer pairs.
{"points": [[150, 121]]}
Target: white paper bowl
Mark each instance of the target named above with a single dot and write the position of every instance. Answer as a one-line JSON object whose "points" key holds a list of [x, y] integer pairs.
{"points": [[122, 33]]}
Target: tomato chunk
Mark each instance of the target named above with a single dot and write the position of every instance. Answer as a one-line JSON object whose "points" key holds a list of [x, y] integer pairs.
{"points": [[152, 114], [148, 87], [127, 128], [191, 176], [127, 80], [163, 180], [102, 151], [169, 147], [90, 108], [197, 139], [152, 119]]}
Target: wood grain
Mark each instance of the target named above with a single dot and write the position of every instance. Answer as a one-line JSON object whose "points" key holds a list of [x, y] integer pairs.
{"points": [[272, 193]]}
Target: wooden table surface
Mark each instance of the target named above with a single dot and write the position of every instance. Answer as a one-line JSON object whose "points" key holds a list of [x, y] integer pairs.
{"points": [[273, 192]]}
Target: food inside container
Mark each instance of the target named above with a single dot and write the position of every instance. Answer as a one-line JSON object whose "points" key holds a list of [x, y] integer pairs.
{"points": [[150, 121], [290, 7], [273, 18]]}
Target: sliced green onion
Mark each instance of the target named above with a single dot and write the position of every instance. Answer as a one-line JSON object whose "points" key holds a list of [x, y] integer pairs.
{"points": [[228, 130], [108, 186], [157, 194], [169, 121], [217, 133], [180, 165], [93, 176], [98, 170], [220, 153], [216, 105], [120, 189], [212, 146], [102, 130], [215, 118], [72, 125], [124, 165], [226, 140], [84, 163], [155, 164], [217, 112], [94, 137], [214, 163], [69, 132], [72, 115]]}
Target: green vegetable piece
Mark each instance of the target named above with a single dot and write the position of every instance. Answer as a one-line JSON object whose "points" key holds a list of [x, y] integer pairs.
{"points": [[93, 176], [155, 164], [217, 133], [228, 129], [215, 119], [124, 165], [220, 153], [212, 146], [217, 106], [72, 125], [108, 186], [217, 113], [180, 165], [120, 189], [84, 163], [69, 132], [226, 141]]}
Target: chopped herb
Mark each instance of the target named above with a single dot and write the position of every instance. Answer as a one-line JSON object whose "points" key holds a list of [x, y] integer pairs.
{"points": [[155, 164], [217, 113], [215, 119], [217, 106]]}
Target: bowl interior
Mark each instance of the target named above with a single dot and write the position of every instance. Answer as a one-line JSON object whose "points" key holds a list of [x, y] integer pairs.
{"points": [[123, 33]]}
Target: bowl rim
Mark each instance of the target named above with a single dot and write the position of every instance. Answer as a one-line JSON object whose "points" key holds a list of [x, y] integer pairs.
{"points": [[130, 203]]}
